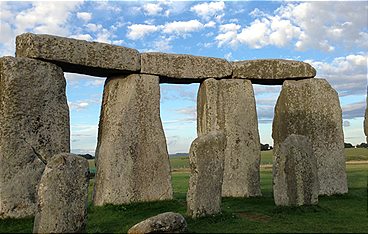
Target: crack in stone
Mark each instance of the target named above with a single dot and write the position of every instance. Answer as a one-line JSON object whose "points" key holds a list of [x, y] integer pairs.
{"points": [[35, 152]]}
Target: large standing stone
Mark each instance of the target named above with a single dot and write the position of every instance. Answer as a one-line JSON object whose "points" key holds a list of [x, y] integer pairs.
{"points": [[295, 177], [63, 196], [168, 222], [34, 125], [312, 108], [272, 71], [79, 56], [229, 106], [206, 159], [132, 158], [180, 68]]}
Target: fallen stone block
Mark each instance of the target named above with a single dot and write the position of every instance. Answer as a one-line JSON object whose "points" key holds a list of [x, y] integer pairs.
{"points": [[79, 56], [63, 196], [168, 222], [34, 126], [295, 177], [206, 159]]}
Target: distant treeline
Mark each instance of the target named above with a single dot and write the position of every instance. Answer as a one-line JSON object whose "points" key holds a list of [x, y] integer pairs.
{"points": [[361, 145]]}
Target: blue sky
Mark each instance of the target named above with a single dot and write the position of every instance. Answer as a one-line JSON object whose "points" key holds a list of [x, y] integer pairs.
{"points": [[332, 36]]}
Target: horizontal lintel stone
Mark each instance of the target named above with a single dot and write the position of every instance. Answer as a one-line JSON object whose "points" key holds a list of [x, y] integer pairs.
{"points": [[180, 68], [79, 56], [272, 71]]}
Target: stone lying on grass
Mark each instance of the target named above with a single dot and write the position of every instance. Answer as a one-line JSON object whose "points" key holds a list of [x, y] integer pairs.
{"points": [[295, 180], [180, 68], [168, 222], [79, 56], [63, 196], [206, 158], [272, 71]]}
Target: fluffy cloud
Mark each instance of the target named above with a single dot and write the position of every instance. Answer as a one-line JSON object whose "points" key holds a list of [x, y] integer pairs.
{"points": [[182, 27], [152, 9], [85, 16], [317, 25], [208, 10], [138, 31]]}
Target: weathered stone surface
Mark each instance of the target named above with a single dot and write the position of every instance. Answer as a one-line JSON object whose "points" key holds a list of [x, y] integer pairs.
{"points": [[272, 71], [63, 196], [34, 125], [295, 177], [229, 106], [366, 120], [79, 56], [180, 68], [206, 159], [312, 108], [168, 222], [132, 159]]}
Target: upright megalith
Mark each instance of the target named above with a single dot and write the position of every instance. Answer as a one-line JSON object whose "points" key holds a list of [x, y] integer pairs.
{"points": [[131, 156], [295, 177], [206, 158], [79, 56], [63, 196], [229, 106], [311, 108], [272, 71], [34, 126], [182, 68]]}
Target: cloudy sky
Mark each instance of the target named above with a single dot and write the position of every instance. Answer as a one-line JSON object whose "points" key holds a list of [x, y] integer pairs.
{"points": [[332, 36]]}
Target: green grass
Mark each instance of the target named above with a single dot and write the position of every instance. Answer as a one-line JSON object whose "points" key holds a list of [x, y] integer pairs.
{"points": [[344, 213], [356, 154]]}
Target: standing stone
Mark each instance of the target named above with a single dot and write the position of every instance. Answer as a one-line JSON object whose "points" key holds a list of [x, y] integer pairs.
{"points": [[131, 156], [272, 71], [312, 108], [79, 56], [63, 196], [168, 222], [34, 126], [206, 158], [229, 106], [295, 177]]}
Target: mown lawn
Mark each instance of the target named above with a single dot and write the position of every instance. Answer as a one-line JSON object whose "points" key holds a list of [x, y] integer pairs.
{"points": [[345, 213]]}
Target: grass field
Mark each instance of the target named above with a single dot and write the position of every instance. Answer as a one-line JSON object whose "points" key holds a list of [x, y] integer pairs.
{"points": [[344, 213]]}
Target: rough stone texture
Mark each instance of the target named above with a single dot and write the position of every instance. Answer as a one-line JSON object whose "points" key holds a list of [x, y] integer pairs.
{"points": [[272, 71], [168, 222], [229, 106], [34, 125], [132, 159], [179, 68], [63, 196], [366, 120], [295, 177], [79, 56], [312, 108], [206, 158]]}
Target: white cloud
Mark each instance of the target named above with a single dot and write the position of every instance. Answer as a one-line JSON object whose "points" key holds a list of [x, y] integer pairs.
{"points": [[182, 27], [138, 31], [152, 9], [229, 27], [78, 106], [86, 37], [85, 16], [208, 10]]}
